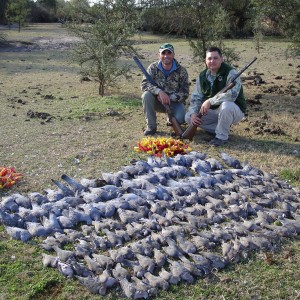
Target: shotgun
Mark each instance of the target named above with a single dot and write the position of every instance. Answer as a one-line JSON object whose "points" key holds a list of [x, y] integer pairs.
{"points": [[191, 130], [176, 126]]}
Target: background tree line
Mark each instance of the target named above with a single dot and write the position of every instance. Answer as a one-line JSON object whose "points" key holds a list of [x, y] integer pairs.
{"points": [[106, 26], [162, 16]]}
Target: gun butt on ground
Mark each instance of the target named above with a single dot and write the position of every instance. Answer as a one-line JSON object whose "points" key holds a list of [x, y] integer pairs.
{"points": [[176, 126]]}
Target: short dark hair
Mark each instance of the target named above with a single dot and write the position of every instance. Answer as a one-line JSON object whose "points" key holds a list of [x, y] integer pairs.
{"points": [[214, 49]]}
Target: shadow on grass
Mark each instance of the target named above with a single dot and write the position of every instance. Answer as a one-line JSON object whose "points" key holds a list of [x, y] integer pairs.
{"points": [[247, 144]]}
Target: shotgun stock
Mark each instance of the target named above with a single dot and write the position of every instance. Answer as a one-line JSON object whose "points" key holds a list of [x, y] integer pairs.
{"points": [[176, 126], [191, 130]]}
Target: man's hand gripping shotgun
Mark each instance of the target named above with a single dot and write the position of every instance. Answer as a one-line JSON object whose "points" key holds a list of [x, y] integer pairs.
{"points": [[191, 130], [176, 126]]}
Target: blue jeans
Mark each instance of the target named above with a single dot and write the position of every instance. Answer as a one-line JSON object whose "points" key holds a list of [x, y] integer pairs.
{"points": [[151, 106]]}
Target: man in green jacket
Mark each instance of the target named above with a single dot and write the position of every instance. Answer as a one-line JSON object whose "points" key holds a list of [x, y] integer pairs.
{"points": [[218, 112], [172, 88]]}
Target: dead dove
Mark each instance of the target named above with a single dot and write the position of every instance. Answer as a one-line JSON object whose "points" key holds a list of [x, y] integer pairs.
{"points": [[120, 254], [75, 186], [215, 164], [103, 260], [230, 161], [62, 254], [156, 281], [129, 216], [80, 269], [146, 262], [11, 220], [191, 267], [159, 258], [226, 249], [217, 261], [137, 269], [185, 245], [51, 223], [130, 290], [172, 250], [82, 248], [140, 248], [107, 280], [65, 269], [49, 260], [37, 198], [202, 262], [179, 271], [114, 178], [202, 243], [18, 233], [64, 189], [119, 272], [91, 283], [21, 200], [167, 276], [54, 195], [144, 287], [114, 239], [93, 265], [37, 229], [8, 204], [201, 166], [99, 242]]}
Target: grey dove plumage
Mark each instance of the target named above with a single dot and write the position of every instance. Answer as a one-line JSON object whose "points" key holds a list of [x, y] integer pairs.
{"points": [[156, 281], [50, 260], [65, 269], [17, 233], [155, 223], [77, 187]]}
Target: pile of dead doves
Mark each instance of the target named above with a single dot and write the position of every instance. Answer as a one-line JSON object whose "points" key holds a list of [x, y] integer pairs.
{"points": [[155, 223]]}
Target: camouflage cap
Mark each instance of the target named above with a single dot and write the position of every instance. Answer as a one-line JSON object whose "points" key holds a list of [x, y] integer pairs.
{"points": [[166, 46]]}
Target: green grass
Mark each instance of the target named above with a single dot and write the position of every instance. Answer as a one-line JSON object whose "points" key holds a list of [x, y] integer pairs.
{"points": [[293, 176], [93, 105]]}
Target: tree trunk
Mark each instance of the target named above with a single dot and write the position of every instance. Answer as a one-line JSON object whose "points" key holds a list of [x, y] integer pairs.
{"points": [[101, 89]]}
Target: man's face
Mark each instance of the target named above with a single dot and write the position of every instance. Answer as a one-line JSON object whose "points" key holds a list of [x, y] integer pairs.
{"points": [[166, 57], [213, 61]]}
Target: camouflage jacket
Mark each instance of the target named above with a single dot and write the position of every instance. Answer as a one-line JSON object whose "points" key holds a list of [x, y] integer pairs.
{"points": [[176, 84]]}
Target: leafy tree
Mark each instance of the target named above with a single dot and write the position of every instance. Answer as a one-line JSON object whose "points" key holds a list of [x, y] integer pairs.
{"points": [[62, 10], [240, 16], [3, 4], [51, 5], [258, 30], [105, 30], [283, 17], [17, 11], [208, 23], [49, 8]]}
